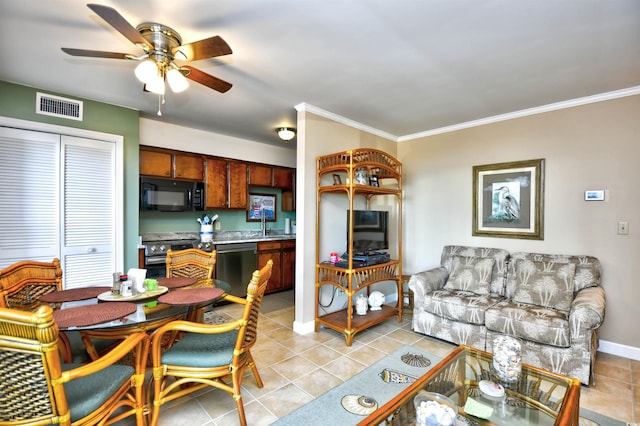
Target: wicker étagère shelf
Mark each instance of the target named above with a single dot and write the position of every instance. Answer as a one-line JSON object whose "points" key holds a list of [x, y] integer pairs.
{"points": [[341, 174]]}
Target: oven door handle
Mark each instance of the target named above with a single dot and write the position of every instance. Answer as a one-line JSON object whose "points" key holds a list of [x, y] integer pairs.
{"points": [[155, 260]]}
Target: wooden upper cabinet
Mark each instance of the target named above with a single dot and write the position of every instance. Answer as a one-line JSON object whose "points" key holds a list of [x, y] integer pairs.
{"points": [[260, 175], [283, 177], [156, 163], [171, 164], [189, 167], [216, 184], [226, 184], [238, 187]]}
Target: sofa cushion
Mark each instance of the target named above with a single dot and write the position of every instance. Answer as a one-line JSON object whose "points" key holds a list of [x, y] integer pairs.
{"points": [[459, 305], [501, 257], [470, 274], [545, 284], [588, 269], [530, 322]]}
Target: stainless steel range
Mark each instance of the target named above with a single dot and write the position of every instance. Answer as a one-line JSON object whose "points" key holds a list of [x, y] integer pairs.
{"points": [[155, 254]]}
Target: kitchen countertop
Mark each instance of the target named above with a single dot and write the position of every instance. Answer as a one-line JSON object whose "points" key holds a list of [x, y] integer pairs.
{"points": [[221, 237]]}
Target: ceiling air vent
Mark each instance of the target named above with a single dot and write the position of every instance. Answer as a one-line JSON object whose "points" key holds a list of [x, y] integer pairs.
{"points": [[57, 106]]}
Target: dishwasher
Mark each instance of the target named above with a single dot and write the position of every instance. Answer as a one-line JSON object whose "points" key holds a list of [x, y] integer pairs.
{"points": [[235, 263]]}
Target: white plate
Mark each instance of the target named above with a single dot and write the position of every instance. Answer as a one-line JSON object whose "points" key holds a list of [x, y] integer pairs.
{"points": [[491, 388], [107, 296]]}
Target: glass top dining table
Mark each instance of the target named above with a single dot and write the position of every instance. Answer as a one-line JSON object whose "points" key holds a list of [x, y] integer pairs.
{"points": [[96, 308], [100, 318]]}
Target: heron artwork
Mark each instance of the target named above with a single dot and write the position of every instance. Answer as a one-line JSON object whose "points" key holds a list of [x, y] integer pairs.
{"points": [[506, 205]]}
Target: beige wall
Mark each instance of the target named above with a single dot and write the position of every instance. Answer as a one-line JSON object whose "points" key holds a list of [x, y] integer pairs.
{"points": [[594, 146]]}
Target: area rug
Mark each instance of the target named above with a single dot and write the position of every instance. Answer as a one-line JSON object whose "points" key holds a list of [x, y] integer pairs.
{"points": [[380, 382], [351, 401]]}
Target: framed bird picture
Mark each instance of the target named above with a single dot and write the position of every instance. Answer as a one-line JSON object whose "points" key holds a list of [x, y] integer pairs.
{"points": [[508, 200]]}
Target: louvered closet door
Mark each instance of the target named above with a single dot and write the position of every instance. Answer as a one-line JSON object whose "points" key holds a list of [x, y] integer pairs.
{"points": [[88, 229], [29, 196]]}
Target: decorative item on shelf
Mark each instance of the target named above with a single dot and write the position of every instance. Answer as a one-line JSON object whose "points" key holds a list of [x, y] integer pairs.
{"points": [[376, 299], [337, 180], [434, 409], [361, 177], [361, 304], [373, 180], [507, 358]]}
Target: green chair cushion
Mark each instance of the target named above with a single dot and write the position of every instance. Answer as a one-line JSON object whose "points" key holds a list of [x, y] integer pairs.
{"points": [[79, 352], [86, 394], [202, 350], [223, 285]]}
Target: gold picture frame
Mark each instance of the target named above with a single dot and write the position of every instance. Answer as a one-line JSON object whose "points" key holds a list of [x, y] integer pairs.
{"points": [[508, 200]]}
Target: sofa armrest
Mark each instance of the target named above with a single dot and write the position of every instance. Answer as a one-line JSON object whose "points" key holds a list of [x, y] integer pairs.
{"points": [[587, 310], [425, 281]]}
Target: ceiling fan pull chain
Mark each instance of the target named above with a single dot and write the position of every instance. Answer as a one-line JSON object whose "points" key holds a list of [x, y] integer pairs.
{"points": [[160, 105]]}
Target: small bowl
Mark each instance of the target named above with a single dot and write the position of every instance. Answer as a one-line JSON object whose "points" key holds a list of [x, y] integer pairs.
{"points": [[434, 409]]}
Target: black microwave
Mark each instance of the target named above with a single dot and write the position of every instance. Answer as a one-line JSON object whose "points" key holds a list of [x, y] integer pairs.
{"points": [[169, 195]]}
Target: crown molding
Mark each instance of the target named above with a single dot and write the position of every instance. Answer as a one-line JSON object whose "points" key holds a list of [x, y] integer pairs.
{"points": [[616, 94], [304, 107], [526, 112]]}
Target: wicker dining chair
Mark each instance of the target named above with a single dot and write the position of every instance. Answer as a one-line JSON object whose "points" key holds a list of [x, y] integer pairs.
{"points": [[193, 263], [207, 354], [24, 283], [37, 389], [21, 287]]}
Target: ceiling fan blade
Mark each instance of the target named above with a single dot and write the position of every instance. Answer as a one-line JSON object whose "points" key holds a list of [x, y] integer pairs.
{"points": [[207, 80], [202, 49], [95, 53], [113, 18]]}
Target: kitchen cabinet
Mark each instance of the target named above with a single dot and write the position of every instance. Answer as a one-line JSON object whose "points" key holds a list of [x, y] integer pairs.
{"points": [[216, 184], [171, 164], [154, 163], [353, 279], [288, 264], [283, 178], [226, 184], [188, 167], [260, 175], [282, 253], [238, 187]]}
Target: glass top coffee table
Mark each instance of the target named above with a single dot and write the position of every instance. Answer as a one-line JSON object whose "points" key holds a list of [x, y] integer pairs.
{"points": [[538, 397]]}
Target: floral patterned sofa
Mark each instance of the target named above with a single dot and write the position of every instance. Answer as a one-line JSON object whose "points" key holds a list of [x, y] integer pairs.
{"points": [[553, 303]]}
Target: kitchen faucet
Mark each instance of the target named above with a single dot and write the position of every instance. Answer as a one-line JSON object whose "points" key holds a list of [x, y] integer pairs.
{"points": [[263, 222]]}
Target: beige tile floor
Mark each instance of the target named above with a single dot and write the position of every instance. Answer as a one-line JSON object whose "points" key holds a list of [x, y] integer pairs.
{"points": [[296, 369]]}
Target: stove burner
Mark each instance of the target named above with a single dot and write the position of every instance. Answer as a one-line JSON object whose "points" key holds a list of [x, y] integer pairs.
{"points": [[160, 248]]}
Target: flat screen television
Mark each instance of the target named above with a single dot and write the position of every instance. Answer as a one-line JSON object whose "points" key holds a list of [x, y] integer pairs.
{"points": [[370, 230]]}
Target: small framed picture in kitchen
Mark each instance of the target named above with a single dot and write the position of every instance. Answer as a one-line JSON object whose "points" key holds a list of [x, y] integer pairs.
{"points": [[261, 204]]}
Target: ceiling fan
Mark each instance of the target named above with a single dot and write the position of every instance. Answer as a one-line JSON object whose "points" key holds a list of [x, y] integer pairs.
{"points": [[162, 46]]}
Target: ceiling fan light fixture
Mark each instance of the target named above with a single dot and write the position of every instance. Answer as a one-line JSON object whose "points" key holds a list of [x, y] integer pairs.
{"points": [[286, 133], [156, 85], [146, 71], [177, 81]]}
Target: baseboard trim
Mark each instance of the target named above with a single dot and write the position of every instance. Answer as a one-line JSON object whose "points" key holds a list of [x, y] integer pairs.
{"points": [[619, 350], [304, 327]]}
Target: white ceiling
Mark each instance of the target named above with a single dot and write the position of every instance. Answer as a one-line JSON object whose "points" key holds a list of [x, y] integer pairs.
{"points": [[402, 67]]}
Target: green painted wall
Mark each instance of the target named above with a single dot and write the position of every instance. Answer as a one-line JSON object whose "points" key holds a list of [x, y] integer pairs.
{"points": [[19, 102]]}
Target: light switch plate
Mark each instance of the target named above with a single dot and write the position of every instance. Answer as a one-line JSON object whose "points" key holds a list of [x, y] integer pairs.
{"points": [[623, 228]]}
